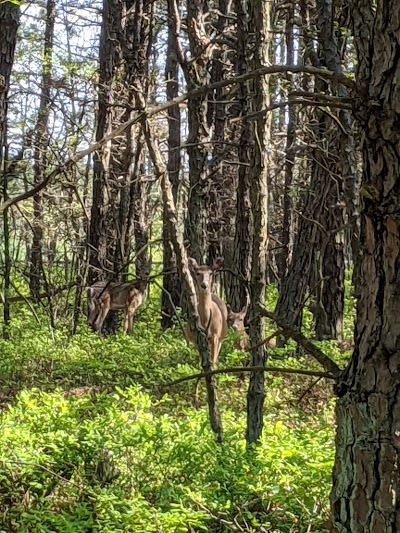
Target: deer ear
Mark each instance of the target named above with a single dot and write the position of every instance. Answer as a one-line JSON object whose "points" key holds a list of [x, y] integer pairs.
{"points": [[244, 311], [192, 263], [229, 309], [218, 262]]}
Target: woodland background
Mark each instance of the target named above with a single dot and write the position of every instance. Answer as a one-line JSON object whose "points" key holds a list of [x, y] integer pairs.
{"points": [[136, 133]]}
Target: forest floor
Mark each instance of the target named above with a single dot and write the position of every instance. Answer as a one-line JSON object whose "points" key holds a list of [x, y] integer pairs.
{"points": [[90, 440]]}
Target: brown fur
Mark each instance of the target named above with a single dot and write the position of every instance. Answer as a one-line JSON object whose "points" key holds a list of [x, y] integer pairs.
{"points": [[212, 310]]}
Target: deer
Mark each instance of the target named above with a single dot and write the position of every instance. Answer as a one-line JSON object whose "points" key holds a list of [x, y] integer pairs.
{"points": [[103, 296], [212, 310], [236, 322]]}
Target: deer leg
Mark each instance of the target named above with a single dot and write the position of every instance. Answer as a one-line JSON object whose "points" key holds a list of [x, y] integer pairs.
{"points": [[215, 346], [126, 320], [103, 311], [130, 320]]}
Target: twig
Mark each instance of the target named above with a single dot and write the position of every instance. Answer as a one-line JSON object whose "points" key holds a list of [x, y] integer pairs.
{"points": [[25, 463]]}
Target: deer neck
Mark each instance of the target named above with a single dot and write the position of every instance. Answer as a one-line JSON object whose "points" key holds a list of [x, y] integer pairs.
{"points": [[204, 301]]}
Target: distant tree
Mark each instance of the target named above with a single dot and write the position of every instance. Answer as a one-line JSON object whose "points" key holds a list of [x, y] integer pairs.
{"points": [[37, 277]]}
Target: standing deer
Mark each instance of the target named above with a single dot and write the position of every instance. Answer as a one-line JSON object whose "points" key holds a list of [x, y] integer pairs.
{"points": [[212, 310], [104, 296]]}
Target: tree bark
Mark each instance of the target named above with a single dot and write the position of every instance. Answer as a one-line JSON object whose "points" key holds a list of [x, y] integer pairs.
{"points": [[197, 74], [9, 22], [238, 294], [365, 495], [171, 294], [259, 18]]}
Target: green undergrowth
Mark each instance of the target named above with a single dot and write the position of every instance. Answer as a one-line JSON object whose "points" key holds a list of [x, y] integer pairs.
{"points": [[91, 439]]}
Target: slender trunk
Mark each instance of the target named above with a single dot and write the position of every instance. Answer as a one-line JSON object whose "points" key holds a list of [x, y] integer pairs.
{"points": [[41, 141], [171, 284], [186, 279], [284, 256], [9, 22], [259, 18], [244, 221]]}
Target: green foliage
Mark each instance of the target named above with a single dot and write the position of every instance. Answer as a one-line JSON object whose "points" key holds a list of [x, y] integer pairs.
{"points": [[89, 441]]}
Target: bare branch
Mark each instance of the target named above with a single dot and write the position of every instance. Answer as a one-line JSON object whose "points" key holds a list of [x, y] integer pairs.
{"points": [[238, 369], [308, 346]]}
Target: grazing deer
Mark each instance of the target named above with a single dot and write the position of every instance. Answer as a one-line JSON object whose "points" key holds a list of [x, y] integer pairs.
{"points": [[115, 295], [212, 310]]}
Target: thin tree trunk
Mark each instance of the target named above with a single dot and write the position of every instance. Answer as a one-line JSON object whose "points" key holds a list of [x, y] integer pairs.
{"points": [[287, 222], [9, 22], [186, 279], [259, 18], [244, 222], [171, 284], [41, 140]]}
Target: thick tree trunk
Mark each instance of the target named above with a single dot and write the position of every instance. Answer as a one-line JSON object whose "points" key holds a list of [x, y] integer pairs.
{"points": [[365, 495], [259, 18], [120, 195]]}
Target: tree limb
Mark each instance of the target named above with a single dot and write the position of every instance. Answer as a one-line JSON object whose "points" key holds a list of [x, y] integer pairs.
{"points": [[308, 346], [237, 369]]}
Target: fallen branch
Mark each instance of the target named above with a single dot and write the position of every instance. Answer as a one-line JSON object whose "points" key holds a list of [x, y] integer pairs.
{"points": [[325, 361], [238, 369]]}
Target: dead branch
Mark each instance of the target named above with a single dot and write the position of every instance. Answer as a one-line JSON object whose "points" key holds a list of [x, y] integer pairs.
{"points": [[308, 346], [239, 369]]}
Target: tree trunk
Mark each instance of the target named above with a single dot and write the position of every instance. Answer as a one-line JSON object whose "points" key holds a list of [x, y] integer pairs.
{"points": [[186, 278], [9, 22], [242, 247], [259, 18], [171, 294], [41, 141], [119, 196], [365, 495], [287, 222], [197, 73]]}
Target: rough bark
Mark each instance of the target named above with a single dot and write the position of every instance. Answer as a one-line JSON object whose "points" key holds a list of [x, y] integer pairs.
{"points": [[197, 74], [171, 284], [365, 495], [259, 18], [238, 295], [9, 22]]}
